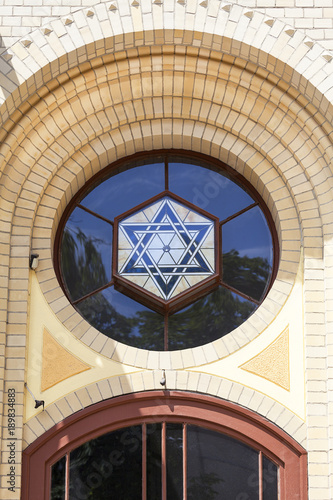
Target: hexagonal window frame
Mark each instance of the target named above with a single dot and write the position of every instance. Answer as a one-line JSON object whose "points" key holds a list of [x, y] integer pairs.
{"points": [[183, 298]]}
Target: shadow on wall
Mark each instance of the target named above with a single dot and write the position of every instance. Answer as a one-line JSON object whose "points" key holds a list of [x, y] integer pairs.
{"points": [[8, 78]]}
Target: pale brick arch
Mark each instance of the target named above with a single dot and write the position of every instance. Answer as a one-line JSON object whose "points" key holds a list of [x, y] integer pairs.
{"points": [[45, 225], [57, 166], [310, 129], [259, 126], [48, 53], [177, 380], [246, 125]]}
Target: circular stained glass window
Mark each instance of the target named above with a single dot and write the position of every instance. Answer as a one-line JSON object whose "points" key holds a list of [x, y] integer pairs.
{"points": [[166, 251]]}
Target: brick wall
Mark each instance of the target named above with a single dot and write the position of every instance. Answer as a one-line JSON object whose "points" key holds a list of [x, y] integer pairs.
{"points": [[314, 17]]}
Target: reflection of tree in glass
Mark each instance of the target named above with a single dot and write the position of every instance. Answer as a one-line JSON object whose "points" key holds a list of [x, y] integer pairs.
{"points": [[58, 472], [154, 461], [248, 275], [204, 321], [103, 316], [202, 487], [174, 461], [208, 319], [151, 330], [81, 264], [57, 491], [99, 469]]}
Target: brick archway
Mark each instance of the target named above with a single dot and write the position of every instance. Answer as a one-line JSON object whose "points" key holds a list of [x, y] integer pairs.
{"points": [[170, 406]]}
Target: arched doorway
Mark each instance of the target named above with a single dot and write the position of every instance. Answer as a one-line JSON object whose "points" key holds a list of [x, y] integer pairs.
{"points": [[199, 435]]}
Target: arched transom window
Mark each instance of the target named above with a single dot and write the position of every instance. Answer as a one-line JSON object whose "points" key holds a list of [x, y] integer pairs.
{"points": [[164, 445], [164, 460]]}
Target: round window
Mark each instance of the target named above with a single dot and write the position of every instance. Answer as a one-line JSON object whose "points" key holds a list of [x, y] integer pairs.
{"points": [[166, 251]]}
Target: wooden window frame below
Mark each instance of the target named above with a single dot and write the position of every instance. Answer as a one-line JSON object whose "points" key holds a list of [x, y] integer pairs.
{"points": [[169, 406]]}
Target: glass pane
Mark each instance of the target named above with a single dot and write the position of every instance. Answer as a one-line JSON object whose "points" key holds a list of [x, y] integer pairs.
{"points": [[174, 453], [208, 319], [207, 189], [124, 191], [219, 467], [109, 466], [58, 480], [124, 319], [247, 253], [269, 479], [86, 252], [154, 462]]}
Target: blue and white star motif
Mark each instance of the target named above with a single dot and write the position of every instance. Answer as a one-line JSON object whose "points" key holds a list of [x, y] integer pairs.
{"points": [[169, 248]]}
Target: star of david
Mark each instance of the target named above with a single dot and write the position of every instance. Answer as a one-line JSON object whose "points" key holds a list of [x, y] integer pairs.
{"points": [[167, 247]]}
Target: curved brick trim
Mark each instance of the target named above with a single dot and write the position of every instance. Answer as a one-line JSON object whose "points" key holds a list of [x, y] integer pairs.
{"points": [[262, 137], [224, 390], [171, 406], [47, 53]]}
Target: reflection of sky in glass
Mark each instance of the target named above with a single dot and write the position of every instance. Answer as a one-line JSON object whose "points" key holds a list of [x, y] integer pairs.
{"points": [[242, 300], [123, 305], [249, 235], [124, 191], [207, 189], [97, 230]]}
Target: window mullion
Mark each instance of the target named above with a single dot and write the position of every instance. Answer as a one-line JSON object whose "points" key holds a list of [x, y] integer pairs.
{"points": [[184, 461], [260, 476], [166, 174], [144, 462], [164, 471], [166, 331], [240, 212], [91, 212], [67, 477]]}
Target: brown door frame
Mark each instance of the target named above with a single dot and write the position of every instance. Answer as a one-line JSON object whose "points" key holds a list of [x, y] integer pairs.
{"points": [[170, 406]]}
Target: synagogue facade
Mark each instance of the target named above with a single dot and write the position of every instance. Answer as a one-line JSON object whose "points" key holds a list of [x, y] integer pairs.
{"points": [[166, 249]]}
